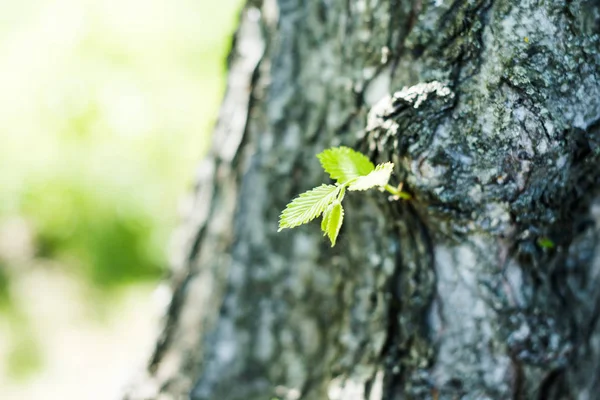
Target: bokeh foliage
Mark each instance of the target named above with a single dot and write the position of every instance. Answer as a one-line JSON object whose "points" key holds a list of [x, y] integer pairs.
{"points": [[105, 110]]}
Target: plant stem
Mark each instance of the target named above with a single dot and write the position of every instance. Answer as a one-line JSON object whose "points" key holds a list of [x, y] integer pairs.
{"points": [[397, 192]]}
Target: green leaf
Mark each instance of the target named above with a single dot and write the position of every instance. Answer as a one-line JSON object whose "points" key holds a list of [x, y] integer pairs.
{"points": [[325, 219], [308, 206], [545, 243], [379, 177], [333, 221], [343, 164]]}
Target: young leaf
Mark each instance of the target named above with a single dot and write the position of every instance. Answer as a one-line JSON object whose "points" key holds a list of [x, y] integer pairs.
{"points": [[325, 219], [334, 219], [308, 206], [379, 177], [545, 243], [343, 164]]}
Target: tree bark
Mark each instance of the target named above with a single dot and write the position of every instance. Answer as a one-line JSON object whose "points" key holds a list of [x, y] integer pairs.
{"points": [[486, 285]]}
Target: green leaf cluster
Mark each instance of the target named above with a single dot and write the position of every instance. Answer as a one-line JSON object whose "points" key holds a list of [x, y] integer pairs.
{"points": [[352, 171]]}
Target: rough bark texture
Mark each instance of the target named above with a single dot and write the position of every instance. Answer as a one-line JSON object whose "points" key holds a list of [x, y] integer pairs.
{"points": [[491, 111]]}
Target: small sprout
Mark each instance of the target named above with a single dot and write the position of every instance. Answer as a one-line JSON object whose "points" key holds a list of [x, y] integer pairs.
{"points": [[526, 39], [352, 171], [545, 243]]}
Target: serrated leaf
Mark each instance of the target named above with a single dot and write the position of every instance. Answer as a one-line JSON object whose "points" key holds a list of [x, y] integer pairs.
{"points": [[379, 177], [343, 164], [334, 221], [325, 219], [308, 206]]}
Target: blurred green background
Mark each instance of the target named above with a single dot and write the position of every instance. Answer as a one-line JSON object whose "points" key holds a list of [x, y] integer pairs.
{"points": [[105, 110]]}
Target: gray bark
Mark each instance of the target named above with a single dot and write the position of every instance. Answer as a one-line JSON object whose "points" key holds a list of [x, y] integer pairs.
{"points": [[490, 110]]}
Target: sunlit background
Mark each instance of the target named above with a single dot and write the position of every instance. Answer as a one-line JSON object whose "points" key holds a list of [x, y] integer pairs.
{"points": [[105, 109]]}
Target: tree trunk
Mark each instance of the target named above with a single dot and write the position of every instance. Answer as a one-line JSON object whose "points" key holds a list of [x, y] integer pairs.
{"points": [[486, 285]]}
